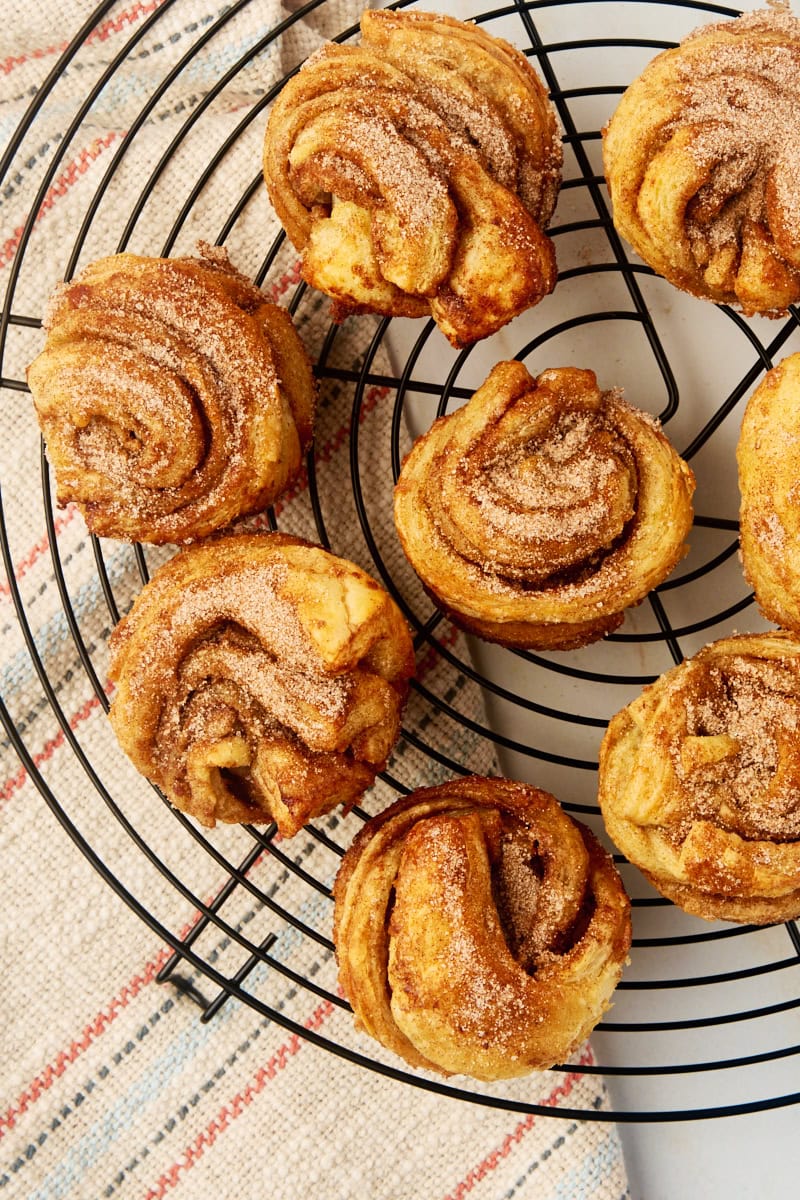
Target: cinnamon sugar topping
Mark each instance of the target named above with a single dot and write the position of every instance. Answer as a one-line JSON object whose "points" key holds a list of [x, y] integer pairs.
{"points": [[741, 100], [556, 492], [418, 195], [522, 899], [245, 662], [752, 707], [558, 502], [489, 1003]]}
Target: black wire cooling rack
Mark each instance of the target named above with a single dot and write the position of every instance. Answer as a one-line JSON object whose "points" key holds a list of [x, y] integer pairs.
{"points": [[705, 1019]]}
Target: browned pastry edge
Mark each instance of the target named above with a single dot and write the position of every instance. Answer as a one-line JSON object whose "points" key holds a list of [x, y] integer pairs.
{"points": [[713, 906], [768, 469], [527, 635]]}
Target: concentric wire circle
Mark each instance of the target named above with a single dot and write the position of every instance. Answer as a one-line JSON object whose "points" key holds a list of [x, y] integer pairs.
{"points": [[247, 916]]}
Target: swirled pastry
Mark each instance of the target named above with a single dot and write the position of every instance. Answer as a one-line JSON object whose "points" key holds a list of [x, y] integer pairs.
{"points": [[416, 173], [543, 508], [702, 159], [479, 930], [700, 780], [768, 457], [173, 398], [260, 678]]}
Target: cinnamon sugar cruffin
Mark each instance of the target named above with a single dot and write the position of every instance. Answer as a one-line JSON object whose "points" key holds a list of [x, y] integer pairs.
{"points": [[416, 173], [260, 678], [172, 396], [702, 159], [699, 780], [478, 929], [539, 511]]}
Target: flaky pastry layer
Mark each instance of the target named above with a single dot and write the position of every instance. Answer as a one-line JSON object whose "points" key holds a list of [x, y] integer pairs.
{"points": [[768, 459]]}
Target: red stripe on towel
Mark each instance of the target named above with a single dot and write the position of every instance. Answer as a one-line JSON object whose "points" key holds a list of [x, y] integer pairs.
{"points": [[48, 750], [235, 1107], [79, 166], [76, 1048], [91, 1032], [112, 25], [290, 277], [36, 551], [492, 1160]]}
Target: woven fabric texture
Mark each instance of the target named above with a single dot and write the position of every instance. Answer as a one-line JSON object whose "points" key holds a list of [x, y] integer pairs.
{"points": [[144, 133]]}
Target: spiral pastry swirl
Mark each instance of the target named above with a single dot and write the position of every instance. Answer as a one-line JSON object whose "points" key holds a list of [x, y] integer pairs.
{"points": [[702, 159], [173, 398], [769, 516], [479, 930], [416, 172], [543, 508], [260, 678], [700, 780]]}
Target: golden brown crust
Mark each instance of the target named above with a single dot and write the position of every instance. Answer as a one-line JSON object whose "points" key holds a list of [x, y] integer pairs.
{"points": [[702, 159], [416, 172], [479, 930], [543, 508], [768, 458], [699, 780], [173, 398], [260, 678]]}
